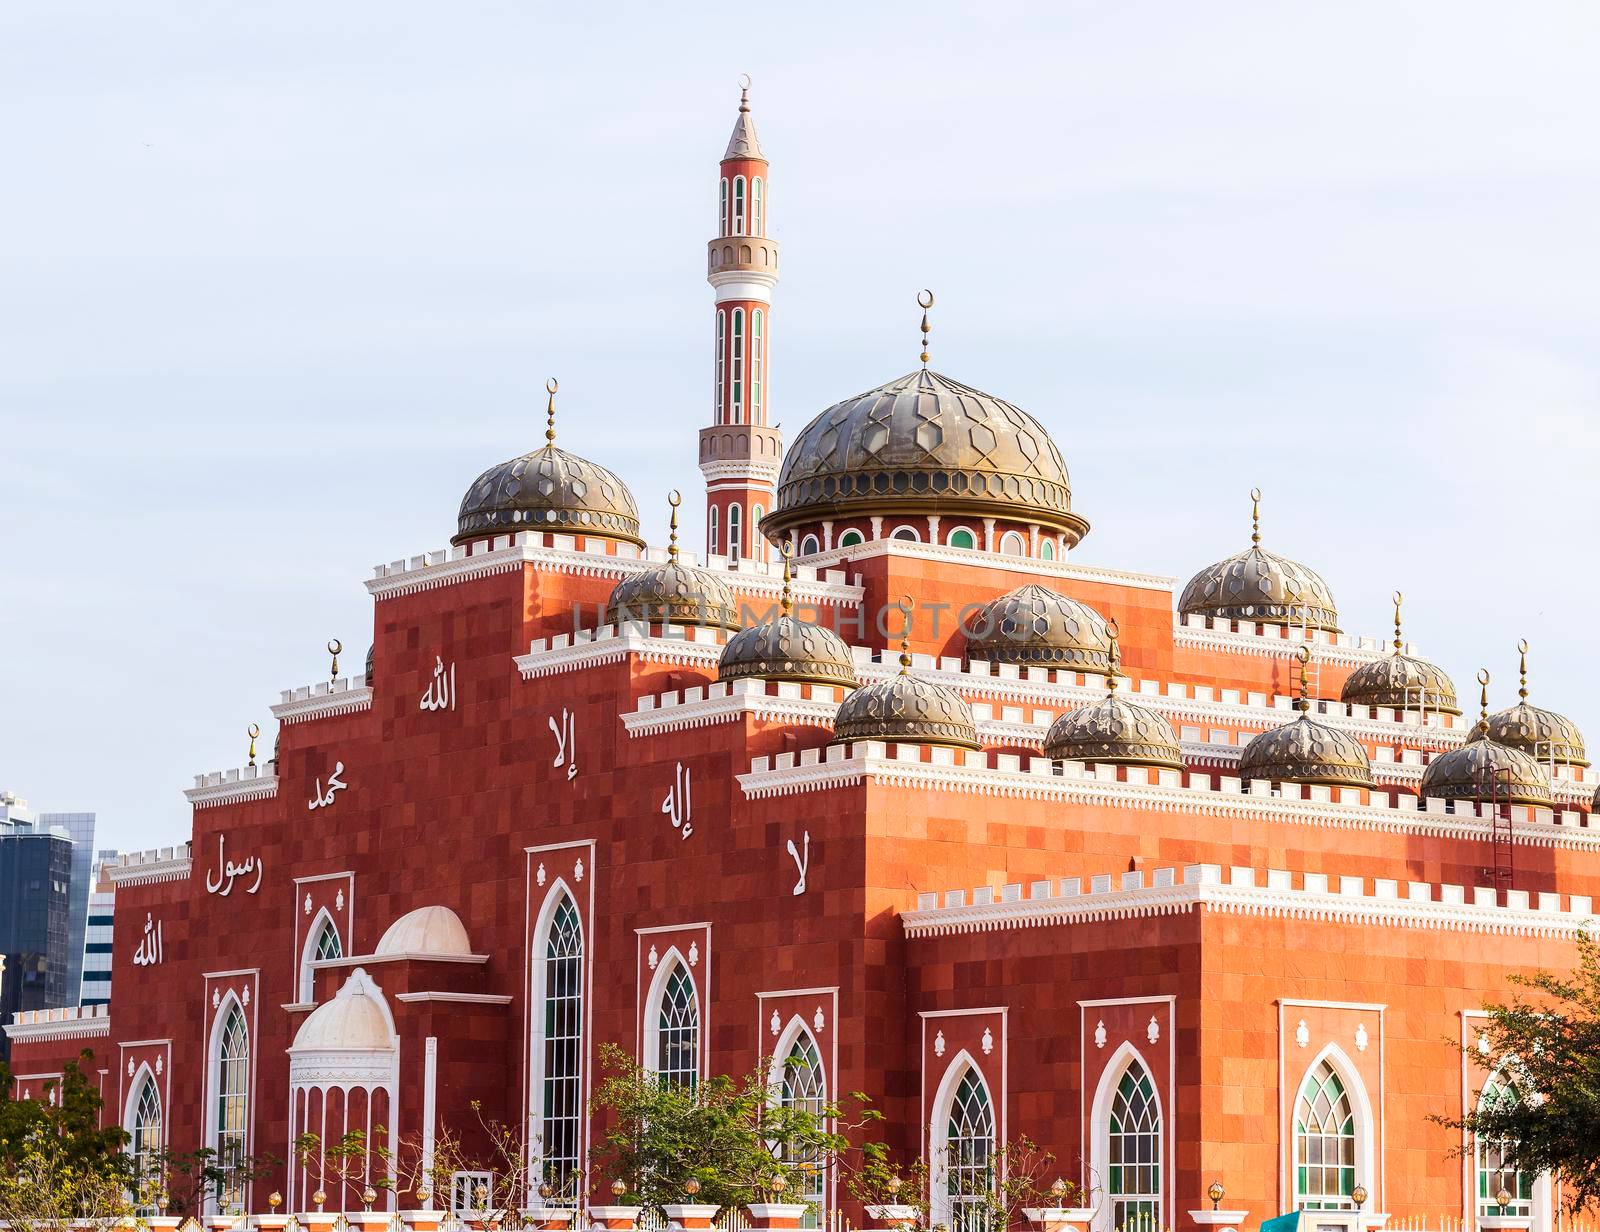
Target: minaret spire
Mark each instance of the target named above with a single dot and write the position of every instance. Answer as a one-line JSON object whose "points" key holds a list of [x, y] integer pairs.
{"points": [[740, 451]]}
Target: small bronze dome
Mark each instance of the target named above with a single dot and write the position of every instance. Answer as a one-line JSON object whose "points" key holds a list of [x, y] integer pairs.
{"points": [[1401, 681], [920, 445], [1543, 735], [1257, 585], [906, 710], [1484, 770], [372, 651], [1035, 626], [788, 649], [672, 592], [1306, 750], [1114, 731], [549, 489]]}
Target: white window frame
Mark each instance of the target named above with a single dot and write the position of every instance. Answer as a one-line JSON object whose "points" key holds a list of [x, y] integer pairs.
{"points": [[560, 892], [1125, 1056], [741, 203], [851, 538], [906, 534], [950, 539], [651, 1035], [711, 531], [1013, 537], [144, 1077], [213, 1121], [758, 221], [308, 952], [735, 531], [721, 411], [810, 545], [939, 1128], [1366, 1170], [463, 1185]]}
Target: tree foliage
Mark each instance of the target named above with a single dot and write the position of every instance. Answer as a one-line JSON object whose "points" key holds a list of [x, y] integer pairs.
{"points": [[1014, 1176], [1544, 1048]]}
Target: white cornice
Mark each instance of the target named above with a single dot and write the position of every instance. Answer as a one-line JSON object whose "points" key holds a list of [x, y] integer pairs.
{"points": [[149, 867], [1424, 906], [320, 701], [1000, 775], [1343, 650], [67, 1023], [697, 647], [459, 998], [990, 560], [725, 470], [807, 705], [232, 786]]}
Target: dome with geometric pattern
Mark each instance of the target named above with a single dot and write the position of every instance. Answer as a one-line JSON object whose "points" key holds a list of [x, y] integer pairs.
{"points": [[787, 649], [549, 489], [1035, 626], [907, 710], [672, 592], [1542, 734], [924, 444], [1257, 585], [1306, 750], [1485, 771], [1114, 731], [1400, 681]]}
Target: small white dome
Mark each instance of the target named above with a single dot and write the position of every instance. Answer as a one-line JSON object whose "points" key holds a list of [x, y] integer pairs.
{"points": [[356, 1020], [427, 930]]}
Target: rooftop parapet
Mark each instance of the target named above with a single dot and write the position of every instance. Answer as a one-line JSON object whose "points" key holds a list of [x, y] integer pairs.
{"points": [[66, 1022], [321, 700], [1249, 891], [232, 786]]}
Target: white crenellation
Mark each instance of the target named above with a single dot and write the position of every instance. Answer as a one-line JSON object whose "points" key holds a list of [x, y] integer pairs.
{"points": [[1249, 891], [987, 773], [680, 646], [146, 867], [232, 786], [65, 1022], [322, 700]]}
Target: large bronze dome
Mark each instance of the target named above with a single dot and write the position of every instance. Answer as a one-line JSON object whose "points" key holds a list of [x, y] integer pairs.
{"points": [[1035, 626], [548, 489], [1542, 734], [1258, 585], [1401, 681], [673, 593], [788, 649], [907, 710], [924, 444]]}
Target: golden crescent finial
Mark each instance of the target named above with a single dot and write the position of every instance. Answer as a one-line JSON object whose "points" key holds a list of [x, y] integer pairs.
{"points": [[786, 600], [1522, 670], [1114, 655], [1398, 599], [1303, 653], [550, 410], [1255, 515], [905, 605], [674, 499], [925, 300], [1483, 697], [335, 648], [253, 731]]}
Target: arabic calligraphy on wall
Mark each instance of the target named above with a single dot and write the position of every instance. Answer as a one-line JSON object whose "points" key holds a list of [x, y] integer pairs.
{"points": [[150, 950], [441, 691], [324, 799], [228, 872], [678, 804], [802, 863], [566, 742]]}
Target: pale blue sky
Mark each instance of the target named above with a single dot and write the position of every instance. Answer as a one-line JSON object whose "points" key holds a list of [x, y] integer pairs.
{"points": [[280, 280]]}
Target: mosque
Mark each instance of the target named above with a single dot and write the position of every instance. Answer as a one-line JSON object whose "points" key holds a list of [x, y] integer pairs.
{"points": [[1189, 885]]}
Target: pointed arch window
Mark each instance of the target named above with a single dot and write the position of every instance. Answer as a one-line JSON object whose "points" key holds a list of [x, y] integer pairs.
{"points": [[719, 412], [324, 945], [757, 349], [738, 205], [1133, 1173], [737, 408], [1324, 1142], [677, 1059], [711, 530], [233, 1108], [969, 1155], [805, 1087], [561, 1140], [1493, 1170], [757, 208], [722, 211], [145, 1145], [735, 538]]}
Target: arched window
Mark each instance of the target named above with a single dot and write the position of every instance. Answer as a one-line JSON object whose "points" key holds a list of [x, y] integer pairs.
{"points": [[969, 1154], [758, 222], [961, 537], [677, 1058], [809, 546], [758, 544], [561, 1142], [322, 945], [719, 412], [735, 539], [738, 205], [722, 211], [850, 539], [756, 364], [145, 1146], [233, 1108], [1013, 544], [1324, 1142], [711, 530], [804, 1086], [906, 535], [1493, 1171], [737, 415], [1047, 550], [1133, 1173]]}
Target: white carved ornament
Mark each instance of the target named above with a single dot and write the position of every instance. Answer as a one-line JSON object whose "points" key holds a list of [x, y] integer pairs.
{"points": [[1302, 1034], [938, 1043], [1100, 1034], [1153, 1031], [988, 1041]]}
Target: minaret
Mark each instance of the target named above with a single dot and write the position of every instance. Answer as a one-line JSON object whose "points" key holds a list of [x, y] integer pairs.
{"points": [[740, 452]]}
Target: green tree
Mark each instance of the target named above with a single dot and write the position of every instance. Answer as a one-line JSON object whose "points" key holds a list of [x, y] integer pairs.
{"points": [[723, 1141], [1545, 1047]]}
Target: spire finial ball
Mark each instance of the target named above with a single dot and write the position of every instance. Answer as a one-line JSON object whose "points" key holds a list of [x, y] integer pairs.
{"points": [[925, 300], [1255, 515]]}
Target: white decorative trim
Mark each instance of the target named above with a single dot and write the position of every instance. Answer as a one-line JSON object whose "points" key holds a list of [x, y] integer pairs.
{"points": [[367, 960], [321, 701], [733, 471], [1276, 641], [232, 787], [678, 647], [795, 704], [999, 774], [991, 560], [148, 867], [462, 998], [64, 1023], [1202, 886]]}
